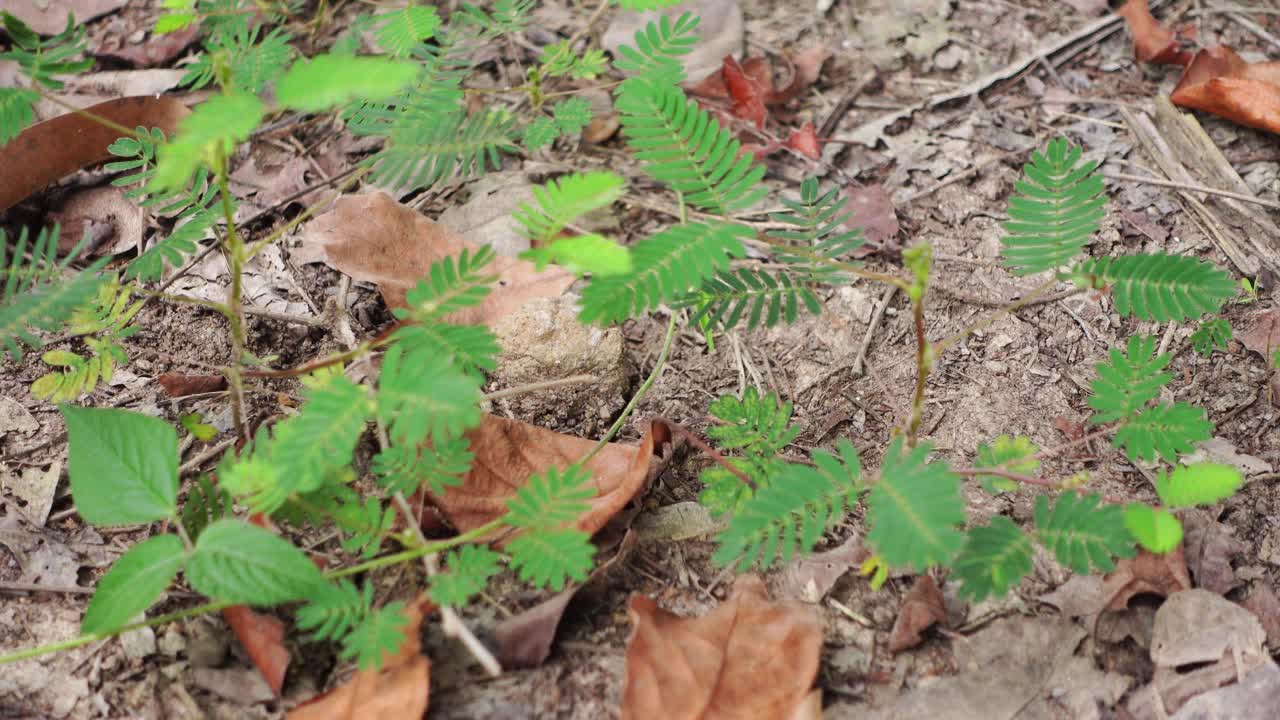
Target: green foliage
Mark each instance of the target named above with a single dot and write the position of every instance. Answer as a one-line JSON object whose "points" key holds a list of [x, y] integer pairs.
{"points": [[107, 319], [505, 17], [456, 145], [235, 56], [914, 509], [647, 4], [40, 59], [540, 133], [666, 266], [1081, 534], [171, 251], [468, 571], [1212, 333], [551, 499], [402, 31], [404, 468], [321, 438], [365, 524], [756, 296], [1165, 429], [550, 558], [1012, 454], [17, 110], [123, 465], [994, 558], [547, 553], [234, 561], [562, 201], [681, 145], [572, 115], [34, 295], [583, 254], [1199, 484], [335, 609], [423, 394], [470, 348], [206, 504], [325, 81], [659, 47], [211, 131], [558, 59], [1155, 529], [820, 231], [133, 583], [377, 636], [757, 428], [1129, 381], [1059, 206], [792, 511], [1158, 287], [451, 284]]}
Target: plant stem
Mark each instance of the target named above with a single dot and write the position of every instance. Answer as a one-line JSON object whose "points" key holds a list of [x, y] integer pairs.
{"points": [[1082, 440], [544, 385], [1008, 475], [88, 114], [644, 388], [924, 365], [235, 262], [696, 441], [417, 552], [851, 268]]}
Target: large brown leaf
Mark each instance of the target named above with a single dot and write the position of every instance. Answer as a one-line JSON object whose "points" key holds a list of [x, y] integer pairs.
{"points": [[1152, 42], [509, 452], [57, 147], [375, 239], [748, 659], [399, 691], [1218, 81]]}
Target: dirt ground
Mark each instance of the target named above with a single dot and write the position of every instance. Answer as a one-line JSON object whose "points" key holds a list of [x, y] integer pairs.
{"points": [[949, 170]]}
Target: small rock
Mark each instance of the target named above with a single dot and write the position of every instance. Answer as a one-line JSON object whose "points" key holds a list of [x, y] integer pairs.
{"points": [[544, 341], [15, 418], [138, 644]]}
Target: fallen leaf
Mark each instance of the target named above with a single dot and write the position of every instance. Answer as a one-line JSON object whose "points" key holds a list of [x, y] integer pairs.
{"points": [[488, 215], [677, 521], [1079, 596], [263, 639], [922, 608], [1264, 604], [399, 691], [872, 213], [270, 180], [805, 142], [1220, 82], [1221, 450], [723, 36], [106, 207], [49, 17], [806, 67], [49, 150], [1252, 698], [1146, 572], [156, 50], [727, 84], [811, 577], [747, 658], [747, 93], [508, 452], [1209, 547], [375, 239], [524, 641], [34, 486], [1199, 626], [1152, 42], [181, 384], [1262, 334]]}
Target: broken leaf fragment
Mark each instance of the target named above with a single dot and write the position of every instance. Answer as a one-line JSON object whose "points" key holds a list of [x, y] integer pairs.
{"points": [[748, 658]]}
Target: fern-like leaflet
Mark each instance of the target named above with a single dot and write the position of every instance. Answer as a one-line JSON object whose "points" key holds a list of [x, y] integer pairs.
{"points": [[1081, 533], [468, 571], [401, 31], [422, 154], [34, 295], [659, 47], [1059, 206], [251, 64], [1129, 381], [39, 59], [1212, 334], [1159, 287], [548, 551], [754, 296], [994, 558]]}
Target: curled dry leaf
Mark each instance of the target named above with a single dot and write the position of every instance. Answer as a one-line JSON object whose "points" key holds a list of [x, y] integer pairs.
{"points": [[1263, 603], [805, 142], [525, 640], [399, 691], [922, 608], [748, 658], [747, 93], [761, 87], [1262, 335], [263, 639], [181, 384], [509, 452], [1209, 548], [49, 17], [1152, 42], [101, 211], [1219, 82], [1146, 572], [1198, 626], [872, 213], [811, 577], [57, 147], [375, 239], [158, 50]]}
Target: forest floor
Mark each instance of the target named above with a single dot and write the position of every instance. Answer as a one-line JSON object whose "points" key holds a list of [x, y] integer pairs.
{"points": [[1048, 650]]}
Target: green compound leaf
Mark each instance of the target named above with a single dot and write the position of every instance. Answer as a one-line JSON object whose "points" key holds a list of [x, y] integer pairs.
{"points": [[540, 133], [548, 558], [1013, 454], [326, 81], [1168, 430], [1213, 333], [659, 47], [245, 564], [994, 558], [1159, 287], [1199, 484], [17, 111], [423, 394], [403, 31], [322, 437], [123, 465], [468, 571], [1155, 529], [914, 509], [572, 115], [752, 296], [583, 254], [1057, 208], [562, 201], [133, 583], [755, 425], [1081, 534], [1130, 381], [554, 498], [214, 127], [378, 635]]}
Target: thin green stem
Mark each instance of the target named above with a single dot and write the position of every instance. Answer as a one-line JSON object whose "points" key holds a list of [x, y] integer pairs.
{"points": [[644, 388], [303, 216], [235, 262], [419, 551], [88, 114], [846, 267], [942, 345]]}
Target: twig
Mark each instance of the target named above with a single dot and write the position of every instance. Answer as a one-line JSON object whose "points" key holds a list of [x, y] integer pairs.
{"points": [[1194, 188], [544, 385], [860, 358], [208, 453], [707, 450], [1254, 28], [8, 586], [998, 303], [1008, 475], [644, 388]]}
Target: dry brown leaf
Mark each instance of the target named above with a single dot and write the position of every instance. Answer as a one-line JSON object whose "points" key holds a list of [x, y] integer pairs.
{"points": [[1262, 334], [49, 17], [525, 640], [872, 213], [1209, 549], [54, 148], [1152, 42], [509, 452], [263, 639], [811, 577], [121, 220], [922, 608], [749, 658], [182, 384], [1218, 81], [375, 239], [399, 691], [1263, 603], [1147, 572], [158, 50]]}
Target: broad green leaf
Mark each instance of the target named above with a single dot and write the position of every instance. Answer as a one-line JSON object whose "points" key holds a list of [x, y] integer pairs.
{"points": [[242, 563], [1155, 529], [326, 81], [1199, 484], [583, 254], [914, 509], [994, 558], [1080, 534], [133, 583], [216, 125], [123, 465]]}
